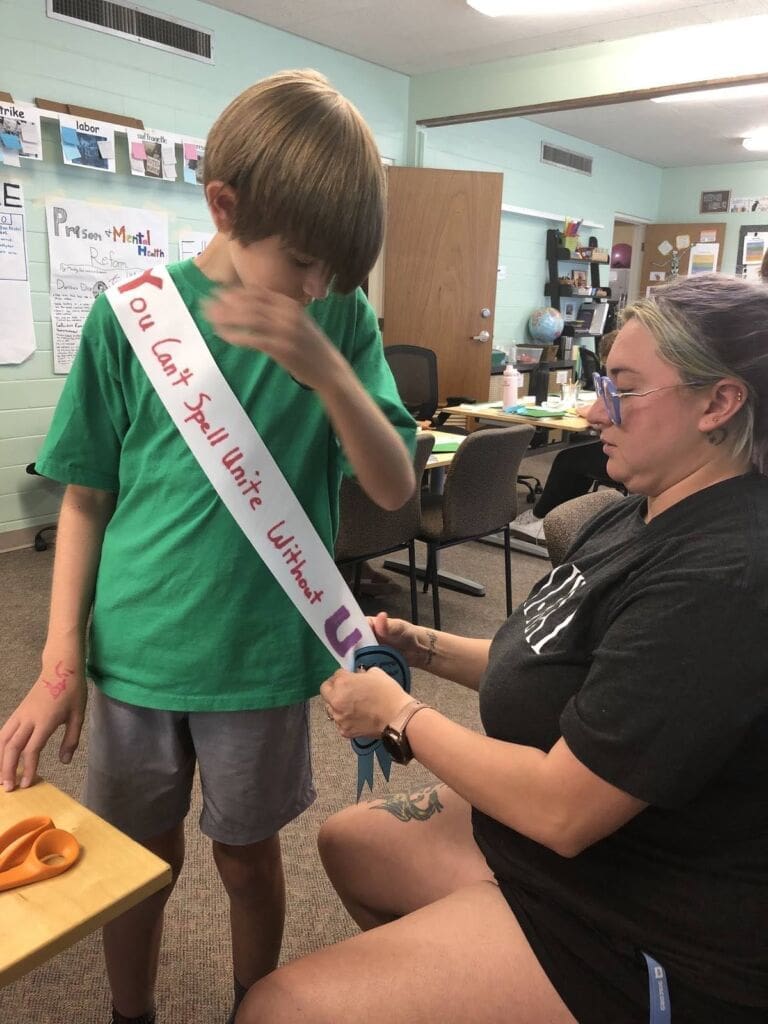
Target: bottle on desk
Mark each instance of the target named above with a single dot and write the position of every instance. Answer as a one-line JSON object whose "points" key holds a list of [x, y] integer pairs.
{"points": [[509, 386]]}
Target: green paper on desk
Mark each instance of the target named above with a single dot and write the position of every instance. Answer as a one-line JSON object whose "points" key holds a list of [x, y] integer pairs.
{"points": [[446, 446], [536, 412]]}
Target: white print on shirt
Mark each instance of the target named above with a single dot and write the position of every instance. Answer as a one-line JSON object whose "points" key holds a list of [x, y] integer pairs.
{"points": [[542, 622]]}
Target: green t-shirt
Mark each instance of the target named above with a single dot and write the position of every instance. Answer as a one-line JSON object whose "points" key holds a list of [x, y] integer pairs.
{"points": [[186, 616]]}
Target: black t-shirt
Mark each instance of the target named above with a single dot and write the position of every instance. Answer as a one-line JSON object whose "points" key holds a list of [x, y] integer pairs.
{"points": [[648, 653]]}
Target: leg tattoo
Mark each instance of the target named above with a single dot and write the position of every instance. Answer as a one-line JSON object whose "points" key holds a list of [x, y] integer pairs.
{"points": [[418, 806]]}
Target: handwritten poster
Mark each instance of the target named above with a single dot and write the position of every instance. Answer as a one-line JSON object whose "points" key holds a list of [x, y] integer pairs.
{"points": [[87, 143], [192, 243], [193, 152], [152, 153], [19, 133], [17, 332], [92, 247]]}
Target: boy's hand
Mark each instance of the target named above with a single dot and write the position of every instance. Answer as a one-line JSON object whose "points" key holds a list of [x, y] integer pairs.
{"points": [[57, 698], [258, 318]]}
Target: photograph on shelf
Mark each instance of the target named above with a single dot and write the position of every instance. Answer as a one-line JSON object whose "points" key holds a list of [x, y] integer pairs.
{"points": [[715, 201], [569, 310], [579, 279]]}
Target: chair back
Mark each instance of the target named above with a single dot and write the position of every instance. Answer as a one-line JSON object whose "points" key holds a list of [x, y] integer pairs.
{"points": [[480, 494], [590, 364], [562, 524], [415, 371], [366, 529]]}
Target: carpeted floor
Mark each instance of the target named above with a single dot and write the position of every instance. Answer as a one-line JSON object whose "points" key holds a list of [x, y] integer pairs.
{"points": [[195, 973]]}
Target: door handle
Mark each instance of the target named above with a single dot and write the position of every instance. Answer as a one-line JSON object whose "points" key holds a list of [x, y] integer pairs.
{"points": [[482, 336]]}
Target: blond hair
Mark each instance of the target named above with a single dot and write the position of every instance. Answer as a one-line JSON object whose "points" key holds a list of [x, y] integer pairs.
{"points": [[304, 166], [711, 326]]}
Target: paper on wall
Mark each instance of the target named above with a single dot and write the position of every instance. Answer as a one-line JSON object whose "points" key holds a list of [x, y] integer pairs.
{"points": [[83, 142], [703, 258], [17, 331], [665, 247], [192, 243], [19, 133], [682, 241], [708, 236], [152, 153], [193, 153], [92, 247]]}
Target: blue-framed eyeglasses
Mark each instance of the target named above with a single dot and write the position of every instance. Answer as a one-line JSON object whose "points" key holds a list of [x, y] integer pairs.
{"points": [[606, 389]]}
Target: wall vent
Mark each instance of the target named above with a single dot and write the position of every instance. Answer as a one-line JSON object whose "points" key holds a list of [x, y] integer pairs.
{"points": [[138, 24], [565, 158]]}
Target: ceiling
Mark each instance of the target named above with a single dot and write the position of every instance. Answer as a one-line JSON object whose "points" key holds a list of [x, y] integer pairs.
{"points": [[682, 134], [416, 36]]}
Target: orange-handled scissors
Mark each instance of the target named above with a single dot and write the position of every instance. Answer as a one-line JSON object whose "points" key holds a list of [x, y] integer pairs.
{"points": [[32, 850]]}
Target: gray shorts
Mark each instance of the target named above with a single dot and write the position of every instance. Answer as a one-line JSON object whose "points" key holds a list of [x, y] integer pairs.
{"points": [[255, 768]]}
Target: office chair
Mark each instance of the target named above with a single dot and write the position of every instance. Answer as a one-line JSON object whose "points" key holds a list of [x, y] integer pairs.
{"points": [[563, 524], [367, 530], [415, 371], [589, 364], [479, 497]]}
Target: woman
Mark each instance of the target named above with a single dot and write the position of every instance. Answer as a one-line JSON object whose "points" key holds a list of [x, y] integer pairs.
{"points": [[617, 806]]}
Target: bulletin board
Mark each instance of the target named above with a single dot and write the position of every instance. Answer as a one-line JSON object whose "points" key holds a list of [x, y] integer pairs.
{"points": [[659, 268], [748, 265]]}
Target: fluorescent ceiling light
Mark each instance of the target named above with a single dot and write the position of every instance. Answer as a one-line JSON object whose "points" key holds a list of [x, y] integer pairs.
{"points": [[733, 92], [757, 142], [523, 8]]}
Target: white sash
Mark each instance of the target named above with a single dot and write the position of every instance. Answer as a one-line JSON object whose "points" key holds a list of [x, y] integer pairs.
{"points": [[171, 349]]}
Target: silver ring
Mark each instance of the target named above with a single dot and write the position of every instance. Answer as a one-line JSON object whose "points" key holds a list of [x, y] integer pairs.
{"points": [[328, 713]]}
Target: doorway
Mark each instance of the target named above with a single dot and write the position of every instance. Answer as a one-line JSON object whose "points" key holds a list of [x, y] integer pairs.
{"points": [[627, 247]]}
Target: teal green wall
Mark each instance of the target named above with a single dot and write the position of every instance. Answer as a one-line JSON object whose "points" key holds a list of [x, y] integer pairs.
{"points": [[48, 58], [618, 184], [681, 193]]}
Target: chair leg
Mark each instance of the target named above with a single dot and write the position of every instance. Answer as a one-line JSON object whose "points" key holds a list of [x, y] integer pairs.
{"points": [[428, 569], [508, 570], [412, 578], [435, 586]]}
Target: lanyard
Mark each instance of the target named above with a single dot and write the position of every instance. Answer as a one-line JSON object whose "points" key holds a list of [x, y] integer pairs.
{"points": [[219, 433], [658, 992]]}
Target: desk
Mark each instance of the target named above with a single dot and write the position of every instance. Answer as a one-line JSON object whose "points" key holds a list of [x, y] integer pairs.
{"points": [[475, 413], [112, 874]]}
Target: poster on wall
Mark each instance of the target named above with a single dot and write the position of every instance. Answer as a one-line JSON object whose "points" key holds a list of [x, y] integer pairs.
{"points": [[152, 154], [703, 258], [93, 247], [87, 143], [715, 201], [17, 332], [192, 243], [19, 133], [193, 153]]}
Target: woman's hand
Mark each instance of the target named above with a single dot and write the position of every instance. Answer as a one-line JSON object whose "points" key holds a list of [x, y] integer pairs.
{"points": [[259, 318], [57, 698], [411, 641], [363, 703]]}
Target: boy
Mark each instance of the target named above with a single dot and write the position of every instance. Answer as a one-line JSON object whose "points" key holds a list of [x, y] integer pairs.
{"points": [[196, 652]]}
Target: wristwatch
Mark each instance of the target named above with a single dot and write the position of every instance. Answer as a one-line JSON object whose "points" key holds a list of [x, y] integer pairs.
{"points": [[393, 738]]}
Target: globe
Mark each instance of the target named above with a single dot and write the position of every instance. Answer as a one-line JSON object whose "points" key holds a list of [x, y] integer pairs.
{"points": [[546, 324]]}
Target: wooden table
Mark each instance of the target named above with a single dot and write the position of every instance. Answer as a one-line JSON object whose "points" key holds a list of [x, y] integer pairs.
{"points": [[112, 874], [475, 413]]}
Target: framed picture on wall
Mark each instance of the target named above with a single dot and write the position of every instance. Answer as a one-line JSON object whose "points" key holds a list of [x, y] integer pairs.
{"points": [[715, 201]]}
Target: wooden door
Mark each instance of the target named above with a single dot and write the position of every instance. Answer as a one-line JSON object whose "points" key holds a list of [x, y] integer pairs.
{"points": [[656, 263], [440, 268]]}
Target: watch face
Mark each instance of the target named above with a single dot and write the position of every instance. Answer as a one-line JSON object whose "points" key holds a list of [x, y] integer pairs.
{"points": [[396, 745]]}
